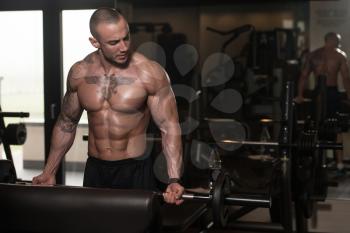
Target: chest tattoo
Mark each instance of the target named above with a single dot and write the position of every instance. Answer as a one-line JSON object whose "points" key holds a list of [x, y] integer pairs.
{"points": [[108, 84]]}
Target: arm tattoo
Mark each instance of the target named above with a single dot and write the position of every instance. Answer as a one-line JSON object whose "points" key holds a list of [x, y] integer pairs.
{"points": [[89, 59], [76, 71], [70, 115], [108, 84], [66, 124]]}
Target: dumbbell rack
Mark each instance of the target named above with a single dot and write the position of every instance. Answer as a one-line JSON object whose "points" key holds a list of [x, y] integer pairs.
{"points": [[4, 139]]}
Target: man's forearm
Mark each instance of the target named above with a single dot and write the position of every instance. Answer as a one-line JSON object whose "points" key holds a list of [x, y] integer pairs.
{"points": [[172, 147], [60, 144]]}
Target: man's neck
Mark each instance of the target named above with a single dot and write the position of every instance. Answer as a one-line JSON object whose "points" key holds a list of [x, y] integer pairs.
{"points": [[110, 66], [329, 48]]}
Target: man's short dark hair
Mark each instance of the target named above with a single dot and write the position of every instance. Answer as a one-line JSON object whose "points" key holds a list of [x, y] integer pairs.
{"points": [[330, 35], [103, 15]]}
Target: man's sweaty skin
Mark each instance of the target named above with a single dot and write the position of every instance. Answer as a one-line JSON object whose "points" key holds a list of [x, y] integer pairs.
{"points": [[120, 91], [329, 61]]}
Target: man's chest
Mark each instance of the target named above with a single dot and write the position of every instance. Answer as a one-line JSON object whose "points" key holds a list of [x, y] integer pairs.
{"points": [[326, 62], [118, 92]]}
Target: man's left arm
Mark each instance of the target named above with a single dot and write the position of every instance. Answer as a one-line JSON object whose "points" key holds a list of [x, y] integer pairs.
{"points": [[162, 105], [344, 70]]}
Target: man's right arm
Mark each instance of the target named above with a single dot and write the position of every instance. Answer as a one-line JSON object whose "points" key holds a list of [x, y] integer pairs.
{"points": [[63, 134], [344, 70]]}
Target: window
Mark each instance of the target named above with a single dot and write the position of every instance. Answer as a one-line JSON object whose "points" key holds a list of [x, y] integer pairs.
{"points": [[76, 45], [21, 85]]}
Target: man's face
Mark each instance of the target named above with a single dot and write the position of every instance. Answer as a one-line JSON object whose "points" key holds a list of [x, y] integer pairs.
{"points": [[334, 41], [114, 40]]}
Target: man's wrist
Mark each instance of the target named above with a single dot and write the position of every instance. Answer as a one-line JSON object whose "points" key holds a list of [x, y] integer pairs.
{"points": [[174, 180]]}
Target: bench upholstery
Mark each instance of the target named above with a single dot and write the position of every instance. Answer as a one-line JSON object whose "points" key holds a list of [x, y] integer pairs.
{"points": [[64, 209]]}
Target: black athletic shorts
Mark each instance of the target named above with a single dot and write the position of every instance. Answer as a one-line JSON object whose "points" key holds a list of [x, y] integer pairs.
{"points": [[333, 101], [135, 173]]}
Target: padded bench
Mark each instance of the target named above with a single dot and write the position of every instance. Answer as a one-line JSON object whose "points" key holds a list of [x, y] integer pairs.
{"points": [[30, 208], [27, 208], [63, 209]]}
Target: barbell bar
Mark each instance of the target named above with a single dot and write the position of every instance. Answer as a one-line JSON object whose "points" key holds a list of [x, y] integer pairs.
{"points": [[14, 114], [239, 200], [220, 197], [318, 145], [324, 145]]}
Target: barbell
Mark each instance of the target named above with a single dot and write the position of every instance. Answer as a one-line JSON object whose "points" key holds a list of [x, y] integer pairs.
{"points": [[219, 198], [324, 145], [13, 134], [14, 114], [313, 145]]}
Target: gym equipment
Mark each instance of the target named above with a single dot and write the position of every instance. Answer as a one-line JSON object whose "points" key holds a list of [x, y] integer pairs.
{"points": [[235, 33], [220, 197], [302, 168], [235, 71], [16, 134], [13, 134], [7, 172], [150, 27], [63, 209], [71, 200], [303, 143], [278, 45]]}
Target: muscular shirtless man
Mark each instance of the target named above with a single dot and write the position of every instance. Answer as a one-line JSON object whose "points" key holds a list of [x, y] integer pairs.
{"points": [[120, 90], [328, 60]]}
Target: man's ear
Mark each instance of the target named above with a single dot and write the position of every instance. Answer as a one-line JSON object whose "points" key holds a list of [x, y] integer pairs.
{"points": [[94, 42]]}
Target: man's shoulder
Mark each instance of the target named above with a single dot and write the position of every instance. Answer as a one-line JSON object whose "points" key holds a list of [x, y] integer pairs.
{"points": [[341, 53], [151, 73], [146, 65], [80, 68], [313, 55], [91, 58], [316, 52], [141, 60], [77, 70]]}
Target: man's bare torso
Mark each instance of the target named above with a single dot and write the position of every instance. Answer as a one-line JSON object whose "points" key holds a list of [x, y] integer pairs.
{"points": [[327, 62], [116, 105]]}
